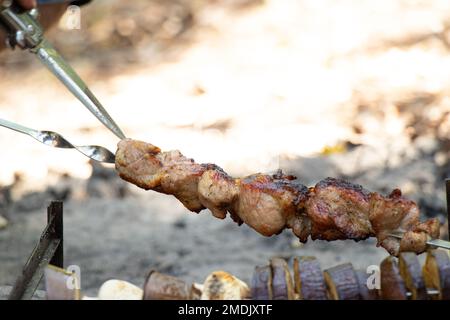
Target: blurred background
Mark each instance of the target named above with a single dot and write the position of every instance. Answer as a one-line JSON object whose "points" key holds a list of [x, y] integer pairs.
{"points": [[350, 89]]}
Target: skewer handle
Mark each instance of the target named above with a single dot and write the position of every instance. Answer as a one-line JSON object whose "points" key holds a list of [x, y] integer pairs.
{"points": [[17, 127]]}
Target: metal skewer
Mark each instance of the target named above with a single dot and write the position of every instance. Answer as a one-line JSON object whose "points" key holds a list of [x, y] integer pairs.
{"points": [[433, 242], [25, 31], [430, 292], [56, 140], [447, 191]]}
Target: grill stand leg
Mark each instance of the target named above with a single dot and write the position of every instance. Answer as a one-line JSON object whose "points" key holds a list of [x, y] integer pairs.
{"points": [[447, 191], [48, 250]]}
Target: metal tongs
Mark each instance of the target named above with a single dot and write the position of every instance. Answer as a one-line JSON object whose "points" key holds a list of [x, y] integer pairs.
{"points": [[25, 32]]}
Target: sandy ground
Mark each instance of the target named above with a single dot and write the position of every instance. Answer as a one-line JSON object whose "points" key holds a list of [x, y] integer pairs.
{"points": [[126, 240], [331, 89]]}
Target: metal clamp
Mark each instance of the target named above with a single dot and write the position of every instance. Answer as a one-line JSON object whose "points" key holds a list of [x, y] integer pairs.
{"points": [[25, 30]]}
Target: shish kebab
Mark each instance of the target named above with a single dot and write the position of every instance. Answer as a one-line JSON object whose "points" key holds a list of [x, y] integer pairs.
{"points": [[332, 210]]}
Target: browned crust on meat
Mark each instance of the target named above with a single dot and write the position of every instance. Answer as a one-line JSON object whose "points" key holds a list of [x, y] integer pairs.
{"points": [[271, 205], [137, 163], [339, 210], [334, 209]]}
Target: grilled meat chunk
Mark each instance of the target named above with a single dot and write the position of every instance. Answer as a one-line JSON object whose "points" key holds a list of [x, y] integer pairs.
{"points": [[395, 213], [138, 162], [167, 172], [217, 191], [267, 202], [333, 209], [339, 210]]}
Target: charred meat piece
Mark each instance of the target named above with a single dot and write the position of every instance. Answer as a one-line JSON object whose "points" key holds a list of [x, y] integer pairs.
{"points": [[138, 162], [217, 191], [180, 178], [167, 172], [395, 213], [415, 239], [333, 209], [266, 203], [389, 214], [339, 210]]}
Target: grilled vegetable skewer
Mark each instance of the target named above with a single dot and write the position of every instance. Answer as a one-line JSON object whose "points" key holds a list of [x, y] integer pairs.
{"points": [[364, 292], [309, 282], [261, 286], [159, 286], [342, 282], [274, 281], [411, 273], [436, 273], [282, 285], [392, 285]]}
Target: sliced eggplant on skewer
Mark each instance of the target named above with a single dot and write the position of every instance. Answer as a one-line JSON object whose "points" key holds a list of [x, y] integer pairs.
{"points": [[309, 282], [261, 287], [342, 283], [392, 284], [160, 286], [282, 285], [364, 292], [411, 272], [436, 273]]}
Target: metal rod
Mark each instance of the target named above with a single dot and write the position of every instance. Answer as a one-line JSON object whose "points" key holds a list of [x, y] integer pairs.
{"points": [[55, 212], [17, 127], [433, 242], [447, 191], [49, 249], [430, 292], [54, 139]]}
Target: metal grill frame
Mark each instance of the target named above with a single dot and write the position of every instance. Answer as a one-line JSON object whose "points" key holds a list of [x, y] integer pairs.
{"points": [[49, 250]]}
